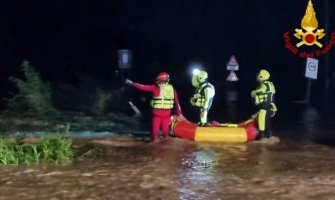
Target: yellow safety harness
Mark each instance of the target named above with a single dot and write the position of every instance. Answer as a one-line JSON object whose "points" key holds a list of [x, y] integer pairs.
{"points": [[199, 97], [265, 96]]}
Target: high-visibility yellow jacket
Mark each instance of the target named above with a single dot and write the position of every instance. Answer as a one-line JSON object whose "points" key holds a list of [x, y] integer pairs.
{"points": [[203, 95], [165, 99], [264, 93]]}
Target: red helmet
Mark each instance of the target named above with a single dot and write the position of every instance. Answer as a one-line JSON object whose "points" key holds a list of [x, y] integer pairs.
{"points": [[163, 77]]}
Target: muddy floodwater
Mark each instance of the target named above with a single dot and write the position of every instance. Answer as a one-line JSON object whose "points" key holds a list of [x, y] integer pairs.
{"points": [[124, 167], [298, 163]]}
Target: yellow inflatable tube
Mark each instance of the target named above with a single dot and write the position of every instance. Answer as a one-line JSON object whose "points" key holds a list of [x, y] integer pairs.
{"points": [[232, 133]]}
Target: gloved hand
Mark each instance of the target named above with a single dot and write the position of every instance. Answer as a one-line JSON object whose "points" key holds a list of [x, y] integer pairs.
{"points": [[128, 82], [273, 110], [192, 101]]}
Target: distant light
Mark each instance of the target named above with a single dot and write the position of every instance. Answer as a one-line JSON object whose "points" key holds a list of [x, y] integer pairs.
{"points": [[195, 71], [194, 68]]}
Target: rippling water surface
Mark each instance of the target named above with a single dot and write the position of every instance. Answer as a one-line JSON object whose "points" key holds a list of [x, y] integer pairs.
{"points": [[297, 164], [128, 168]]}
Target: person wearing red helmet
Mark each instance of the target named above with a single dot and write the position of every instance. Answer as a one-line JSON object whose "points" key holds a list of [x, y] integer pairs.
{"points": [[164, 99]]}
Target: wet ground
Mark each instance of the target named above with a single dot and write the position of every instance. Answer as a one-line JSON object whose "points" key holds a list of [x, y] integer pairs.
{"points": [[128, 168], [297, 164]]}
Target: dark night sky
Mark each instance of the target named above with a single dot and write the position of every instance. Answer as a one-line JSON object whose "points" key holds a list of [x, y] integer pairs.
{"points": [[76, 40]]}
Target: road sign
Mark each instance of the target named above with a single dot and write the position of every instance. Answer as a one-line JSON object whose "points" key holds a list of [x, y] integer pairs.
{"points": [[125, 58], [312, 68], [232, 76], [232, 64]]}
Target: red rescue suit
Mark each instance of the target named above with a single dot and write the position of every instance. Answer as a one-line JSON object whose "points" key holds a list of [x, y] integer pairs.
{"points": [[161, 117]]}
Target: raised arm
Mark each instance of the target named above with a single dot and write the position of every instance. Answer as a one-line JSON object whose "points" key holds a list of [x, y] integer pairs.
{"points": [[146, 88]]}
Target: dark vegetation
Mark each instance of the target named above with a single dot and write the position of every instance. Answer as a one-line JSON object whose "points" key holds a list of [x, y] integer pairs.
{"points": [[34, 106]]}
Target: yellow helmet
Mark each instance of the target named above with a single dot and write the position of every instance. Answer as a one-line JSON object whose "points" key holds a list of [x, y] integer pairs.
{"points": [[263, 75], [202, 76]]}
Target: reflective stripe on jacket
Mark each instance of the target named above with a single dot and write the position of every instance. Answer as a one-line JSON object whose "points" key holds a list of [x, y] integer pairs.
{"points": [[165, 99]]}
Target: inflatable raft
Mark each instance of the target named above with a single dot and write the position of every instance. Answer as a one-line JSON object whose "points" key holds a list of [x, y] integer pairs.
{"points": [[230, 133]]}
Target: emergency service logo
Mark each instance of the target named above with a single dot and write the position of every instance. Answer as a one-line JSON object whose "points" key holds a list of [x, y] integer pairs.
{"points": [[308, 41]]}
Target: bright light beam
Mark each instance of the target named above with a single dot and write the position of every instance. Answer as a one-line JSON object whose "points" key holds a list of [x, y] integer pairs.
{"points": [[195, 71]]}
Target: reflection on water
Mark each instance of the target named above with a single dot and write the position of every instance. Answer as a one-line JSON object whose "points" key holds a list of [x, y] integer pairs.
{"points": [[124, 167], [311, 125], [310, 118], [310, 114], [197, 173], [178, 169]]}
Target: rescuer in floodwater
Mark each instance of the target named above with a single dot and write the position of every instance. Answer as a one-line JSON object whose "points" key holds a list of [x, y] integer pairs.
{"points": [[163, 101], [263, 97], [203, 96]]}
